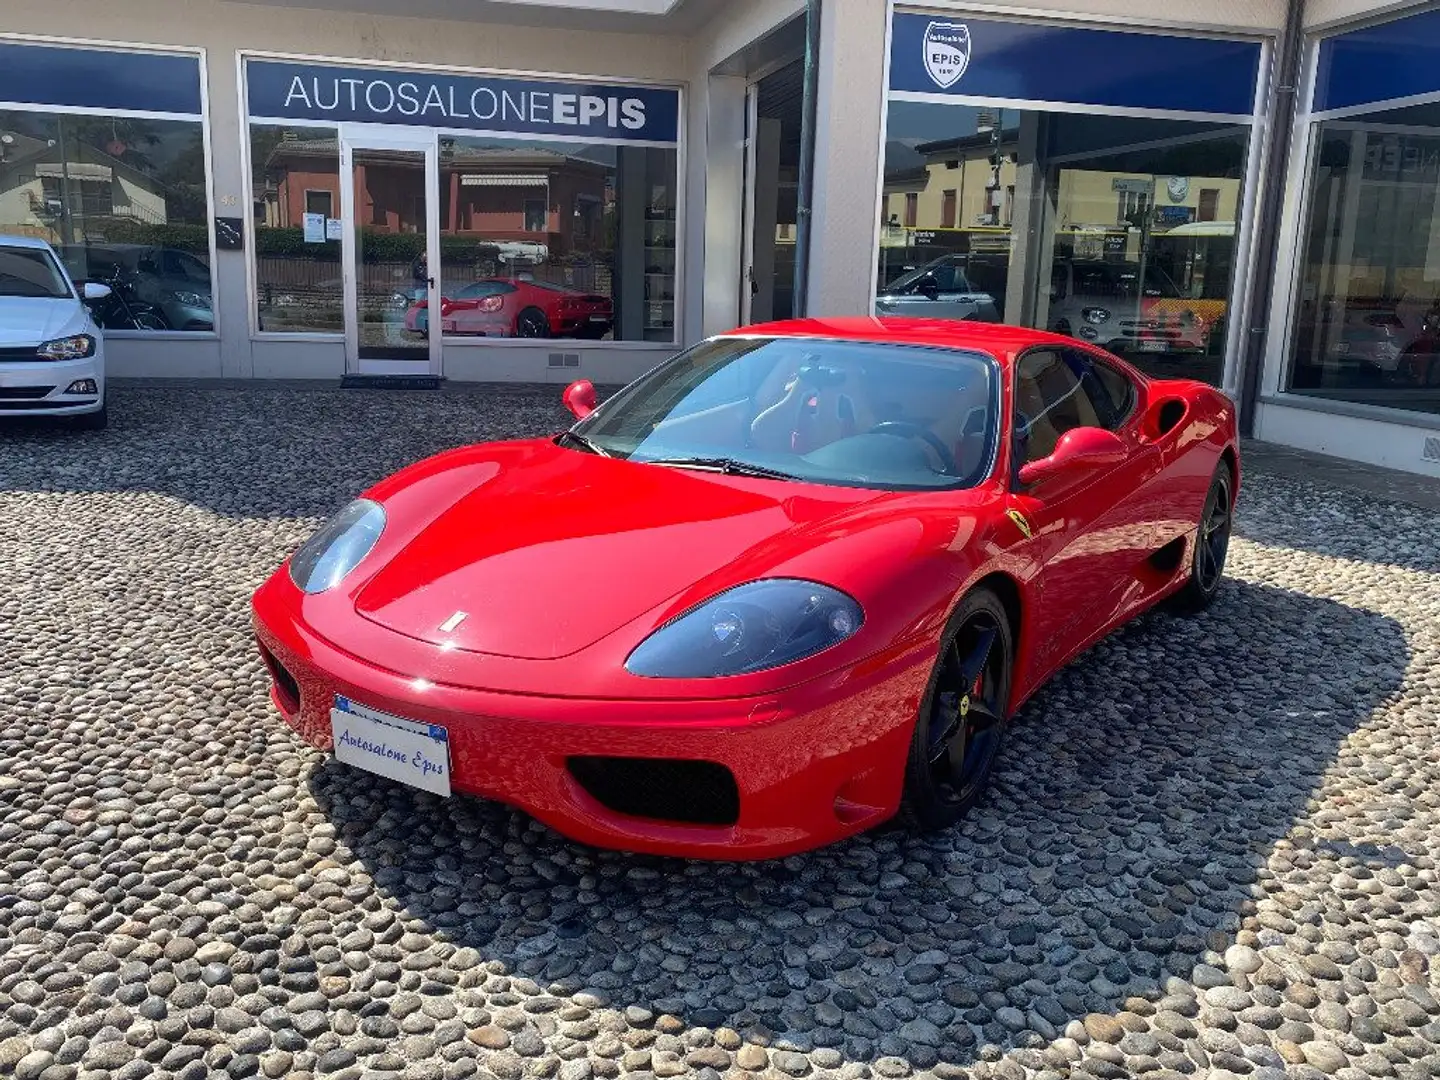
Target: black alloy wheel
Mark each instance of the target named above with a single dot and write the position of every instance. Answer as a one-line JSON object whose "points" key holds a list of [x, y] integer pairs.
{"points": [[961, 725], [532, 323], [1212, 544]]}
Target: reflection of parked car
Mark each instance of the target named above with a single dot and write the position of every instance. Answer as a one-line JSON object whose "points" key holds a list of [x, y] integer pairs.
{"points": [[509, 307], [174, 281], [938, 290], [1101, 302], [52, 355], [1366, 338]]}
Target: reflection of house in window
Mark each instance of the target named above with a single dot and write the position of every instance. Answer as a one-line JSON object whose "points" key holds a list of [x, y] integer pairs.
{"points": [[526, 196], [1209, 204], [912, 208], [947, 210], [503, 194], [38, 186]]}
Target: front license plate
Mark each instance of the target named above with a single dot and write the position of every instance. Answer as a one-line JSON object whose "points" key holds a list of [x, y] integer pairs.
{"points": [[1154, 346], [404, 750]]}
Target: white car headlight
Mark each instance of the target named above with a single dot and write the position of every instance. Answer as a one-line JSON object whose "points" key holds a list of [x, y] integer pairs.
{"points": [[67, 348]]}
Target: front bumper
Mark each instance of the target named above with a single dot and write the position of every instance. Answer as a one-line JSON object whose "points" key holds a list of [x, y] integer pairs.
{"points": [[810, 766], [39, 387]]}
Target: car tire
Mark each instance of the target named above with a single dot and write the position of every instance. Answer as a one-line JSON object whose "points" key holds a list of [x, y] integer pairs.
{"points": [[532, 323], [961, 723], [1212, 544], [91, 421]]}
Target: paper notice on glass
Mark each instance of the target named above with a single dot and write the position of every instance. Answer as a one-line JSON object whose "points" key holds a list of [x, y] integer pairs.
{"points": [[332, 228], [314, 228]]}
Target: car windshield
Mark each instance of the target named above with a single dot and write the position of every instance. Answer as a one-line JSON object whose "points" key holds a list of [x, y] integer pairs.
{"points": [[31, 272], [1121, 280], [483, 288], [945, 272], [848, 413]]}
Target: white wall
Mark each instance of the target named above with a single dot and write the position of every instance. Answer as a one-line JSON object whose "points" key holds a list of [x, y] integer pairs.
{"points": [[1320, 13], [1375, 442], [716, 183]]}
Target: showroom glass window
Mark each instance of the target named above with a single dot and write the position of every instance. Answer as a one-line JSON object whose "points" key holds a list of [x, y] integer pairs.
{"points": [[121, 197], [538, 238], [299, 284], [578, 239], [1366, 321], [1130, 233]]}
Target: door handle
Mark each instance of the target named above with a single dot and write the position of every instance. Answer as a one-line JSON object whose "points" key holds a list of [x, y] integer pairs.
{"points": [[430, 282]]}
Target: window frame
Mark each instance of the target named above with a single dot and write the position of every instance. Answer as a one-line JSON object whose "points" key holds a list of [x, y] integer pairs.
{"points": [[329, 200], [1126, 420]]}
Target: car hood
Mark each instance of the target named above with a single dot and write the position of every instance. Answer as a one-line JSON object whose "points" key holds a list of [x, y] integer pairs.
{"points": [[547, 550], [26, 320]]}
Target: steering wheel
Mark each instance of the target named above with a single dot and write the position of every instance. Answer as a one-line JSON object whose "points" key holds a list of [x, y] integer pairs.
{"points": [[906, 430]]}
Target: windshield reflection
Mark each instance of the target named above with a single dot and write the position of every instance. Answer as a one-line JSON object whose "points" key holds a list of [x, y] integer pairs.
{"points": [[848, 413]]}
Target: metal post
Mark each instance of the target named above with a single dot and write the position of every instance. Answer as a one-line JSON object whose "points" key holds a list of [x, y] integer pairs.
{"points": [[1283, 106], [67, 225], [801, 301]]}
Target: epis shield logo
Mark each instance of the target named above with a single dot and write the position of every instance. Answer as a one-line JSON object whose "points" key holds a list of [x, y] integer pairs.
{"points": [[947, 52]]}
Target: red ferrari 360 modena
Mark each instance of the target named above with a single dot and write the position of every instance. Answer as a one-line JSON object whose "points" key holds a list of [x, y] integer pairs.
{"points": [[511, 307], [783, 587]]}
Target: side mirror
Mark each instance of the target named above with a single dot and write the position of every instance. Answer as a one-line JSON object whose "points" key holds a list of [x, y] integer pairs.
{"points": [[1079, 448], [580, 398], [92, 291]]}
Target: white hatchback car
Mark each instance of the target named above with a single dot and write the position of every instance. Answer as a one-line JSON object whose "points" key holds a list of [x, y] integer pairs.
{"points": [[52, 357]]}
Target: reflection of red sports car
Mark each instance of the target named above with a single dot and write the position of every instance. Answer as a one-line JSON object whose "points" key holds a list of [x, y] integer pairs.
{"points": [[509, 307], [781, 588]]}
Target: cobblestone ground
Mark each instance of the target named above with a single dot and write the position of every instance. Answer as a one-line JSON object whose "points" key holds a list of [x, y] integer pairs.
{"points": [[1211, 849]]}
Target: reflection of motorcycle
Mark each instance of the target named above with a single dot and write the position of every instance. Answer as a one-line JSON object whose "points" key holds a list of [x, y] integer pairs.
{"points": [[123, 309]]}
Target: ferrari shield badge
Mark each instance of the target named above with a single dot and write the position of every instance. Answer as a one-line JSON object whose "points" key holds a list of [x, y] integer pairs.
{"points": [[947, 52], [1020, 522]]}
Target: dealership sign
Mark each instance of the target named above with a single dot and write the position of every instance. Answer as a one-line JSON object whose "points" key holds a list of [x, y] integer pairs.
{"points": [[586, 112], [1036, 63]]}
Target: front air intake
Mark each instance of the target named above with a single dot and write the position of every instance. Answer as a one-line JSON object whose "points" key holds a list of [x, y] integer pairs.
{"points": [[663, 789]]}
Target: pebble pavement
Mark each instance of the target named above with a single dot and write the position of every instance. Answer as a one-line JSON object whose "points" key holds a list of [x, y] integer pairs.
{"points": [[1210, 850]]}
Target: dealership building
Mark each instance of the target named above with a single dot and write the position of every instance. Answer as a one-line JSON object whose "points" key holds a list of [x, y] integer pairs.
{"points": [[1245, 191]]}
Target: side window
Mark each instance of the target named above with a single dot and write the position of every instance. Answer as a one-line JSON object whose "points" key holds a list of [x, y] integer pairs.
{"points": [[1111, 393], [1049, 401]]}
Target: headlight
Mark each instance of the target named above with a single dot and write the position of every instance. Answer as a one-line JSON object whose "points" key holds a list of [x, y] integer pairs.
{"points": [[192, 299], [1096, 315], [323, 561], [67, 348], [764, 624]]}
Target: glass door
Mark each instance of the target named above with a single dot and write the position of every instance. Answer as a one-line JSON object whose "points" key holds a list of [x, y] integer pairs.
{"points": [[390, 242]]}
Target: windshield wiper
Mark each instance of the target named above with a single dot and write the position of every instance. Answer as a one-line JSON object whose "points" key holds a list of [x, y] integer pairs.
{"points": [[587, 444], [729, 466]]}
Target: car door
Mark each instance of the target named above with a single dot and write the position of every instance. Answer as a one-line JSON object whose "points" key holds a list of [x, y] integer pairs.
{"points": [[941, 292], [1094, 523]]}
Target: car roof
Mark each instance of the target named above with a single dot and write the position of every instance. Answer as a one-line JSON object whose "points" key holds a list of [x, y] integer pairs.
{"points": [[1000, 340], [24, 242]]}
